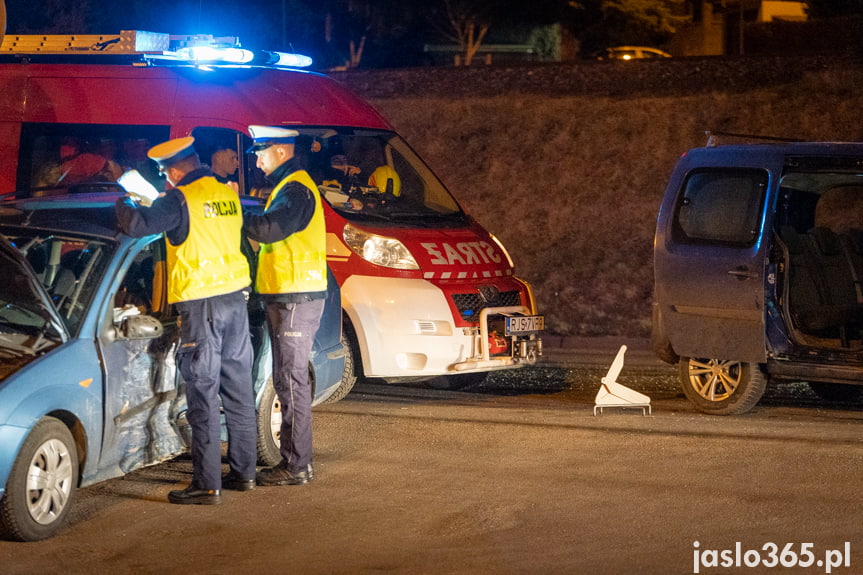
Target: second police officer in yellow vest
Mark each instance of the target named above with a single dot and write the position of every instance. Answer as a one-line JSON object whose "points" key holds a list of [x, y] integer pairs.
{"points": [[292, 279]]}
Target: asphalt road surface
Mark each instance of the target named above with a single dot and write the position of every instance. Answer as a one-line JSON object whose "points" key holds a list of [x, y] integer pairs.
{"points": [[514, 476]]}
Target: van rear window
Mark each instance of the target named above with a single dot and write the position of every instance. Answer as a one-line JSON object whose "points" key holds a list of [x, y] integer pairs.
{"points": [[721, 206]]}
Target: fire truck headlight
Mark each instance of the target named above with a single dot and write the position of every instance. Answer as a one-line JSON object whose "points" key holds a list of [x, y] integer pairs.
{"points": [[379, 250]]}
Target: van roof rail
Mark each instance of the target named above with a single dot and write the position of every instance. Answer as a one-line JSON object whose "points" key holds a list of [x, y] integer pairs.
{"points": [[713, 136], [148, 48]]}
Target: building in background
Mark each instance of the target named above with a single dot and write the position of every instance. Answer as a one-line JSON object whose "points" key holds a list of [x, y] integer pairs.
{"points": [[720, 27]]}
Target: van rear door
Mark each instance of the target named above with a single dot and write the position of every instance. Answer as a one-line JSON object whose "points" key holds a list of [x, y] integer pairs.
{"points": [[710, 254]]}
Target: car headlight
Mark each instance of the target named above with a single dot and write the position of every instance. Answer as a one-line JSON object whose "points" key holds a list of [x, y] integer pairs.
{"points": [[379, 250]]}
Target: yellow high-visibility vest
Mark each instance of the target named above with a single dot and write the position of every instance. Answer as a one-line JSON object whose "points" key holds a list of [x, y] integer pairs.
{"points": [[298, 263], [209, 262]]}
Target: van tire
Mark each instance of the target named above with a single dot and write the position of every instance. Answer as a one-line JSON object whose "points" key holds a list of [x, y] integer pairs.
{"points": [[736, 386]]}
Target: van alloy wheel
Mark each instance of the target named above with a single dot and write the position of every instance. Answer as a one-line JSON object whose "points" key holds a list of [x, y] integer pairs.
{"points": [[721, 387]]}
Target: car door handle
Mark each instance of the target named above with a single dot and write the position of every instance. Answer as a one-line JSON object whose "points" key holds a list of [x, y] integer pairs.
{"points": [[742, 273]]}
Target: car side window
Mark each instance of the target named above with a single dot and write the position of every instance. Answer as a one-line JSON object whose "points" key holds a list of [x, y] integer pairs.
{"points": [[721, 206], [142, 289]]}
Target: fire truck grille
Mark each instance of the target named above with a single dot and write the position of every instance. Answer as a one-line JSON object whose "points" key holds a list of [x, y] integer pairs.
{"points": [[470, 304]]}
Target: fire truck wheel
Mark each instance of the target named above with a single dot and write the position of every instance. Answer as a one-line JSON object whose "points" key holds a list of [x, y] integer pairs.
{"points": [[349, 375], [458, 381]]}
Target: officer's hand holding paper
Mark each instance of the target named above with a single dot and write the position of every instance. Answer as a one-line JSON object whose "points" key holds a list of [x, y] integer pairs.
{"points": [[138, 188]]}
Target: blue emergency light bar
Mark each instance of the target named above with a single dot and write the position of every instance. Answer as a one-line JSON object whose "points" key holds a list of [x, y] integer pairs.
{"points": [[198, 50], [213, 55]]}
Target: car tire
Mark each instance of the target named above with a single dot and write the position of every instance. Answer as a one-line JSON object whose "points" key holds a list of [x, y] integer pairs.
{"points": [[349, 374], [837, 392], [721, 387], [269, 426], [457, 381], [41, 485]]}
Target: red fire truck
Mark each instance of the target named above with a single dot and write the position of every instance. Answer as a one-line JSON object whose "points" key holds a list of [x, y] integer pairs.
{"points": [[427, 292]]}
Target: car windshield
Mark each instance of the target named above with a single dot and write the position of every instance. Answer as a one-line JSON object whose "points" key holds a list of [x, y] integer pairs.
{"points": [[373, 176], [69, 267]]}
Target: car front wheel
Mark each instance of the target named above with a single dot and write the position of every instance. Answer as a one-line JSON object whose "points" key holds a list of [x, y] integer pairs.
{"points": [[721, 387], [41, 485]]}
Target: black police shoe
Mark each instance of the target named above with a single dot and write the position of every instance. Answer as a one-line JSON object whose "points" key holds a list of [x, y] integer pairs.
{"points": [[194, 496], [234, 482], [280, 475]]}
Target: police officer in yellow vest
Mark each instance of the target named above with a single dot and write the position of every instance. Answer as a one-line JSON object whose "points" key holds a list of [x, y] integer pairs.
{"points": [[208, 276], [292, 278]]}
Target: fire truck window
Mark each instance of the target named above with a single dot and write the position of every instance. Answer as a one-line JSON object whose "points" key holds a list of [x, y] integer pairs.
{"points": [[222, 150], [63, 158]]}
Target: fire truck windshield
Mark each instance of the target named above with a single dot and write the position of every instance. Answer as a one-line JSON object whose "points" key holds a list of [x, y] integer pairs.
{"points": [[370, 175]]}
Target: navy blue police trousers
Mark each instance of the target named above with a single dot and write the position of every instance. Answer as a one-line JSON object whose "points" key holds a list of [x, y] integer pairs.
{"points": [[215, 360], [292, 332]]}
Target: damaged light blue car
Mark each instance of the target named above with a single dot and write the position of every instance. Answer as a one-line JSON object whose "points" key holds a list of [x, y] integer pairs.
{"points": [[89, 389]]}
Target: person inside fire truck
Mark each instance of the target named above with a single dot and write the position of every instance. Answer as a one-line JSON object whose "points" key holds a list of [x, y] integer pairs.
{"points": [[224, 163]]}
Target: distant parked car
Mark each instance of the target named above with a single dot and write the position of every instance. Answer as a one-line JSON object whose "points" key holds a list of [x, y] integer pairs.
{"points": [[631, 53]]}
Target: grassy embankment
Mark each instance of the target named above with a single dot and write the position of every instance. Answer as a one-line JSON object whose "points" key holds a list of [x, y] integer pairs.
{"points": [[571, 185]]}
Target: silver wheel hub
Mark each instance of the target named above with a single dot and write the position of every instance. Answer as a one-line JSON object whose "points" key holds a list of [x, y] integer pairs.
{"points": [[49, 481]]}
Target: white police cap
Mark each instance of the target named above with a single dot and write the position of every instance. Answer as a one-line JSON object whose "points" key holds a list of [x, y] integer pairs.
{"points": [[172, 151], [266, 136]]}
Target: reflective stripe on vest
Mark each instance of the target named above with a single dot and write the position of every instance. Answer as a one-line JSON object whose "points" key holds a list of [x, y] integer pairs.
{"points": [[209, 262], [298, 263]]}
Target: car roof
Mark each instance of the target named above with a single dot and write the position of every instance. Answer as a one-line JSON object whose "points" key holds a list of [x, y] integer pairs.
{"points": [[91, 214], [775, 156], [789, 148], [87, 213], [638, 48]]}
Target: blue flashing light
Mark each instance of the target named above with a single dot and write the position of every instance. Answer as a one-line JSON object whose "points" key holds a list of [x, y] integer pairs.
{"points": [[291, 60], [212, 55]]}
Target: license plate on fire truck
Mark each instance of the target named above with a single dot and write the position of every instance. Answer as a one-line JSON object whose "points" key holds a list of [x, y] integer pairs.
{"points": [[523, 324]]}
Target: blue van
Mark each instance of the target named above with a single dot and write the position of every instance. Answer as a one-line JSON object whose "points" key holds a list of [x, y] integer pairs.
{"points": [[758, 260]]}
